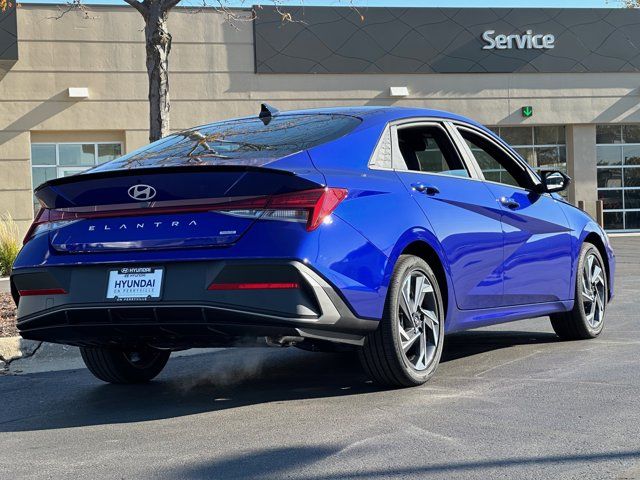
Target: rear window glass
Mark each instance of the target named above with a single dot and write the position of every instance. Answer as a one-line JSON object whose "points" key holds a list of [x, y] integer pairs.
{"points": [[245, 141]]}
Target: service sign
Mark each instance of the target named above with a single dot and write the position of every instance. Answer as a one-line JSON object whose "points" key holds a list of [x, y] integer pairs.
{"points": [[336, 40], [526, 41]]}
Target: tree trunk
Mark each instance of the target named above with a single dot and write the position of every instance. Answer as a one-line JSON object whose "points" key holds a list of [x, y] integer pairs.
{"points": [[158, 42]]}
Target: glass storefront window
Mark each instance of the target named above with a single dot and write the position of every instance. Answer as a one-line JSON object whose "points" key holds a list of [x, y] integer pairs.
{"points": [[618, 157], [77, 154], [549, 135], [43, 154], [541, 147], [632, 220], [612, 199], [544, 148], [608, 134], [108, 151], [609, 155], [516, 135], [55, 160]]}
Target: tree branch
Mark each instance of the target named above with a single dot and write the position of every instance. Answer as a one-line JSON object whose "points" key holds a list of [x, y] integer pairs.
{"points": [[73, 6], [139, 6]]}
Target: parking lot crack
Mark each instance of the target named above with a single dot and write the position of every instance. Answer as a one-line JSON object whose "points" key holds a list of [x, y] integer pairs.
{"points": [[500, 365]]}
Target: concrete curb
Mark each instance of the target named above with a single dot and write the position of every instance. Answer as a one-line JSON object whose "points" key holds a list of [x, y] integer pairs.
{"points": [[18, 355], [28, 356], [13, 348]]}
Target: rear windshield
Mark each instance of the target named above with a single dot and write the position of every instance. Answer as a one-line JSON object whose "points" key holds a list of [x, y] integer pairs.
{"points": [[247, 141]]}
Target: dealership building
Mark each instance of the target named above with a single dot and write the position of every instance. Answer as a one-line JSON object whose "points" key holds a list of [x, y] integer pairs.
{"points": [[561, 85]]}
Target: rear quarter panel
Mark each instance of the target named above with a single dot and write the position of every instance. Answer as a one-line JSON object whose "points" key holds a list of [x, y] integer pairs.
{"points": [[379, 207]]}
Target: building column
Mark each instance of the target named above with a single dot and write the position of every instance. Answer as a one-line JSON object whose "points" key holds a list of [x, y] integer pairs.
{"points": [[581, 166], [16, 194]]}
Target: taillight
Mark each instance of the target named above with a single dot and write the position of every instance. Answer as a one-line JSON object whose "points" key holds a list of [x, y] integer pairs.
{"points": [[307, 206], [47, 219]]}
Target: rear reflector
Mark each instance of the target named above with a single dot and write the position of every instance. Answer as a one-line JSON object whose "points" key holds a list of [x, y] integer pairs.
{"points": [[253, 286], [42, 291]]}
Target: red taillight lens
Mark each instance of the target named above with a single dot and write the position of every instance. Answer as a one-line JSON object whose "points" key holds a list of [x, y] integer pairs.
{"points": [[320, 203], [46, 218], [40, 218], [42, 291]]}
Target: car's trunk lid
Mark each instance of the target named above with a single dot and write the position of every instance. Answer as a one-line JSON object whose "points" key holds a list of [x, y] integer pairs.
{"points": [[162, 207]]}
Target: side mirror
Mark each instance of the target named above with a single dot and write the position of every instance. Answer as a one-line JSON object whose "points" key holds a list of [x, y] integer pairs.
{"points": [[554, 181]]}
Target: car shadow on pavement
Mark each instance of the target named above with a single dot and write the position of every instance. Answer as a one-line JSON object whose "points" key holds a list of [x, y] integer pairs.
{"points": [[291, 463], [221, 380]]}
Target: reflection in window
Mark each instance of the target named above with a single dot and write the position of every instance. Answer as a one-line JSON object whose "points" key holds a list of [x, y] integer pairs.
{"points": [[632, 220], [77, 154], [247, 141], [611, 199], [618, 159]]}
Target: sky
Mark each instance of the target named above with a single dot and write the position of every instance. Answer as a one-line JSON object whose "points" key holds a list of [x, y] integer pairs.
{"points": [[397, 3]]}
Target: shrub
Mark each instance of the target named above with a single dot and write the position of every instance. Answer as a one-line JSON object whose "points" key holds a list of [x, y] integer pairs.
{"points": [[9, 243]]}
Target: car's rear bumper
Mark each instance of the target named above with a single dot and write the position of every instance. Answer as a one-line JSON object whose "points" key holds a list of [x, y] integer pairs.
{"points": [[188, 314]]}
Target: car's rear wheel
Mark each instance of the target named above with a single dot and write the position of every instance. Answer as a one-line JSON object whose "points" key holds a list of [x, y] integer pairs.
{"points": [[406, 348], [120, 366], [586, 319]]}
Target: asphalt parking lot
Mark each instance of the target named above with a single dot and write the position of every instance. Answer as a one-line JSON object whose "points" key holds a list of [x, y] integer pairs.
{"points": [[507, 402]]}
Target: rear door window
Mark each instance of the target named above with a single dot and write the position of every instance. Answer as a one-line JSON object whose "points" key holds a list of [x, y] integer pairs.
{"points": [[248, 141], [427, 148]]}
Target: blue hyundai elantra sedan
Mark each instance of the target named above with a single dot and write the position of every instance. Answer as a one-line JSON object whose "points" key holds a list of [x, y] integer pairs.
{"points": [[376, 229]]}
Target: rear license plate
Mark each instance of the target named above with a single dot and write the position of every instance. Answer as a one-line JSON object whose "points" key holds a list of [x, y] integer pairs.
{"points": [[135, 283]]}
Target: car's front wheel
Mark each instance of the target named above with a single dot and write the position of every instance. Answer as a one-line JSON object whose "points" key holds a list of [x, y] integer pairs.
{"points": [[406, 348], [586, 319], [120, 366]]}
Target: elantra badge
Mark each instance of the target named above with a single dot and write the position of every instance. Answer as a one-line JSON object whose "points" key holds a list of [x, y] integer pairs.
{"points": [[142, 193]]}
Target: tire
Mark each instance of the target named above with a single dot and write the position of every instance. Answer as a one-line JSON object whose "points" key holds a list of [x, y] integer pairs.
{"points": [[124, 367], [382, 355], [586, 319]]}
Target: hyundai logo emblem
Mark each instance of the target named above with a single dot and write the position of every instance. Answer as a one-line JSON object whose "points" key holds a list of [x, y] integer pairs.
{"points": [[142, 192]]}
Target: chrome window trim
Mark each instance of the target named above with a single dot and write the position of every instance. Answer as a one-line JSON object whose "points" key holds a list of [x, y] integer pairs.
{"points": [[397, 160]]}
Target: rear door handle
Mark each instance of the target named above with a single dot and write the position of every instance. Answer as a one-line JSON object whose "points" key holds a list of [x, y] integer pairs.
{"points": [[428, 189], [509, 202]]}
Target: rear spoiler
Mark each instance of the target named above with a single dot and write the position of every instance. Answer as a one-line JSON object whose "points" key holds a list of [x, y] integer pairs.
{"points": [[154, 170]]}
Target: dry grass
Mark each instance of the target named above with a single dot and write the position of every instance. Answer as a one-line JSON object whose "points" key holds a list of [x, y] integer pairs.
{"points": [[9, 243]]}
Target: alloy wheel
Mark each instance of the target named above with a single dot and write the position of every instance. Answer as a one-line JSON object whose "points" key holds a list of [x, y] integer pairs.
{"points": [[593, 290], [418, 320]]}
